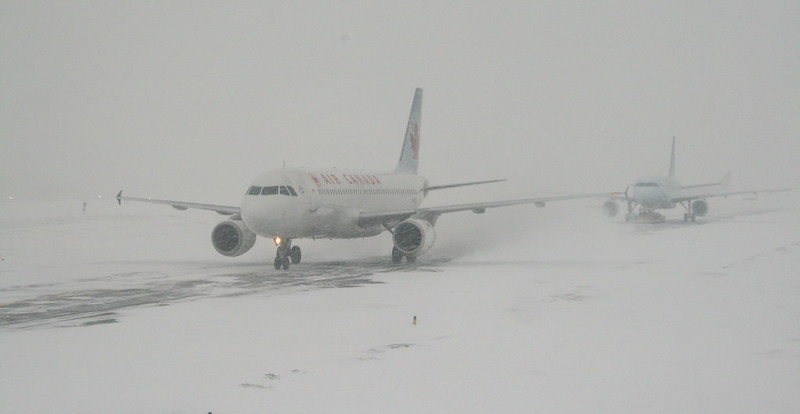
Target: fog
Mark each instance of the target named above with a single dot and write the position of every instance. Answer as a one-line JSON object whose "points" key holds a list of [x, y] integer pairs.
{"points": [[131, 309], [191, 100]]}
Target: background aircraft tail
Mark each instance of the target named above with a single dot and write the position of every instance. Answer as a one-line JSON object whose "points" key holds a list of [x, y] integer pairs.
{"points": [[409, 155], [672, 160], [726, 179]]}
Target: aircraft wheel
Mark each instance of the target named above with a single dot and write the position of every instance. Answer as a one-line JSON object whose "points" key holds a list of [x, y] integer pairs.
{"points": [[285, 263], [277, 263], [411, 259], [397, 255], [295, 254]]}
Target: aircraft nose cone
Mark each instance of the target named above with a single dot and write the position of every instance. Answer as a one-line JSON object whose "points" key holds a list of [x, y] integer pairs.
{"points": [[257, 214], [270, 215]]}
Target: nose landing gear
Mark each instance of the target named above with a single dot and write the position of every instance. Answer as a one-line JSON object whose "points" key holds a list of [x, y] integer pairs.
{"points": [[645, 216], [286, 254]]}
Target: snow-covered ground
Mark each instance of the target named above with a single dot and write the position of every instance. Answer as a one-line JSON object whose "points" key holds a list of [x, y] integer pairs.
{"points": [[556, 310]]}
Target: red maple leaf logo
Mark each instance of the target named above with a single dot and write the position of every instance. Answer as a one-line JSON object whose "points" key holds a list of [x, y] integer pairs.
{"points": [[415, 141]]}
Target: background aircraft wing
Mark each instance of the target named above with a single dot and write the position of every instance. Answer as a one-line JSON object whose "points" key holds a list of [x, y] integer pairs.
{"points": [[614, 195], [725, 194], [182, 205], [367, 219]]}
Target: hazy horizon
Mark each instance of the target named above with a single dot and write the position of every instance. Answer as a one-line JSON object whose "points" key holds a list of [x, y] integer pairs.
{"points": [[191, 100]]}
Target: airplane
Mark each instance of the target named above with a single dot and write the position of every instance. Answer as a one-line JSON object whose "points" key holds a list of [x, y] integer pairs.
{"points": [[296, 203], [657, 192]]}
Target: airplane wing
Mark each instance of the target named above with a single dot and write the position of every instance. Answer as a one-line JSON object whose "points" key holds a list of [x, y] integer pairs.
{"points": [[442, 187], [725, 194], [366, 219], [615, 195], [182, 205]]}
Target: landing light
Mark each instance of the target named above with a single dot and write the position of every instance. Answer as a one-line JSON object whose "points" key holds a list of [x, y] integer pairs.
{"points": [[278, 241]]}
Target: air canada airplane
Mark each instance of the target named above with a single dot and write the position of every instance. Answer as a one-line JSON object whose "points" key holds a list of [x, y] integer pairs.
{"points": [[651, 193], [296, 203]]}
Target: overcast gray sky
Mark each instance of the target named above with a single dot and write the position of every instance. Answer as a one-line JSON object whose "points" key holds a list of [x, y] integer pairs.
{"points": [[191, 100]]}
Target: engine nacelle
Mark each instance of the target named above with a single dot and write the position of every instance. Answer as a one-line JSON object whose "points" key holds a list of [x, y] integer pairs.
{"points": [[232, 238], [414, 237], [611, 208], [699, 208]]}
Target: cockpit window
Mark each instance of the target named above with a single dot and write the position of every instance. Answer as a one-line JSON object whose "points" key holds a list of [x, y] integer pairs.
{"points": [[648, 184], [270, 190]]}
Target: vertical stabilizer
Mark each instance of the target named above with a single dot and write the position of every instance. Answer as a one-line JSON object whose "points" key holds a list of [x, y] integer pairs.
{"points": [[672, 160], [409, 155], [726, 180]]}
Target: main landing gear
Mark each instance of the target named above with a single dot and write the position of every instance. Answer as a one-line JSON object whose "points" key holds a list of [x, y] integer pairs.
{"points": [[645, 216], [397, 256], [690, 214], [286, 253]]}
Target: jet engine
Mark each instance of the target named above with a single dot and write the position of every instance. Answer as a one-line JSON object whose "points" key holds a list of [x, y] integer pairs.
{"points": [[611, 208], [699, 208], [232, 238], [414, 237]]}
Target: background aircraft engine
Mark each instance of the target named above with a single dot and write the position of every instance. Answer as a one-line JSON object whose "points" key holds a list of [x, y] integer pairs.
{"points": [[699, 208], [232, 238], [414, 237], [611, 208]]}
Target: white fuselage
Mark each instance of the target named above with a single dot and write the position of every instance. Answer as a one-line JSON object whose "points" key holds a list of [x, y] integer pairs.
{"points": [[656, 192], [306, 203]]}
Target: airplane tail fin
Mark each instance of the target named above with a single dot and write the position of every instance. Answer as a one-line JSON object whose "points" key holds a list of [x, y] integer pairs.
{"points": [[409, 155], [672, 160], [726, 180]]}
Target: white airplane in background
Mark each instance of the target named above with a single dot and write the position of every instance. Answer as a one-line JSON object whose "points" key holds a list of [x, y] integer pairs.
{"points": [[651, 193], [294, 203]]}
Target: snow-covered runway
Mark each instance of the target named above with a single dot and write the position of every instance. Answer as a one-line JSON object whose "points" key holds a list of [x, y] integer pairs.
{"points": [[129, 310]]}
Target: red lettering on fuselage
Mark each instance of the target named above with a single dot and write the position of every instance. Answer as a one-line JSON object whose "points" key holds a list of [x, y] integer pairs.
{"points": [[356, 179]]}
